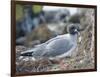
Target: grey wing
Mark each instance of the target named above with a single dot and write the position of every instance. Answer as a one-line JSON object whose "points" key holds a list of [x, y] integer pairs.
{"points": [[39, 50], [57, 47]]}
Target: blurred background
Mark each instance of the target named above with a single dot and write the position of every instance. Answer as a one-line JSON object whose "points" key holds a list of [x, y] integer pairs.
{"points": [[36, 23]]}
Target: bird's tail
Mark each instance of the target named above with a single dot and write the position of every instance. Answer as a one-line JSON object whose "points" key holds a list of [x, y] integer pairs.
{"points": [[27, 54]]}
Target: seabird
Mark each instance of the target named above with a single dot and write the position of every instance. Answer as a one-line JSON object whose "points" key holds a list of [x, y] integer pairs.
{"points": [[58, 47]]}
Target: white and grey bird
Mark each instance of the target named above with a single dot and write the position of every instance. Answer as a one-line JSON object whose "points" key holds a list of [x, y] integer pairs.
{"points": [[59, 47]]}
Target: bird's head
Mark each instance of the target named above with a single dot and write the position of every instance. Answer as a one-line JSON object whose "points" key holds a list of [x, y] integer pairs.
{"points": [[74, 29]]}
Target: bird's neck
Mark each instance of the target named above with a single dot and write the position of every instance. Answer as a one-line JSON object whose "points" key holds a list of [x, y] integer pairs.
{"points": [[73, 37]]}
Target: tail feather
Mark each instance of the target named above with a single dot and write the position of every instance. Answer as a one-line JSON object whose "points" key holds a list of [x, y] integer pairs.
{"points": [[36, 51], [27, 54]]}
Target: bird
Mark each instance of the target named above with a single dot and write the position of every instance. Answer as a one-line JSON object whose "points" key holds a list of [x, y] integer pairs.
{"points": [[58, 47]]}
